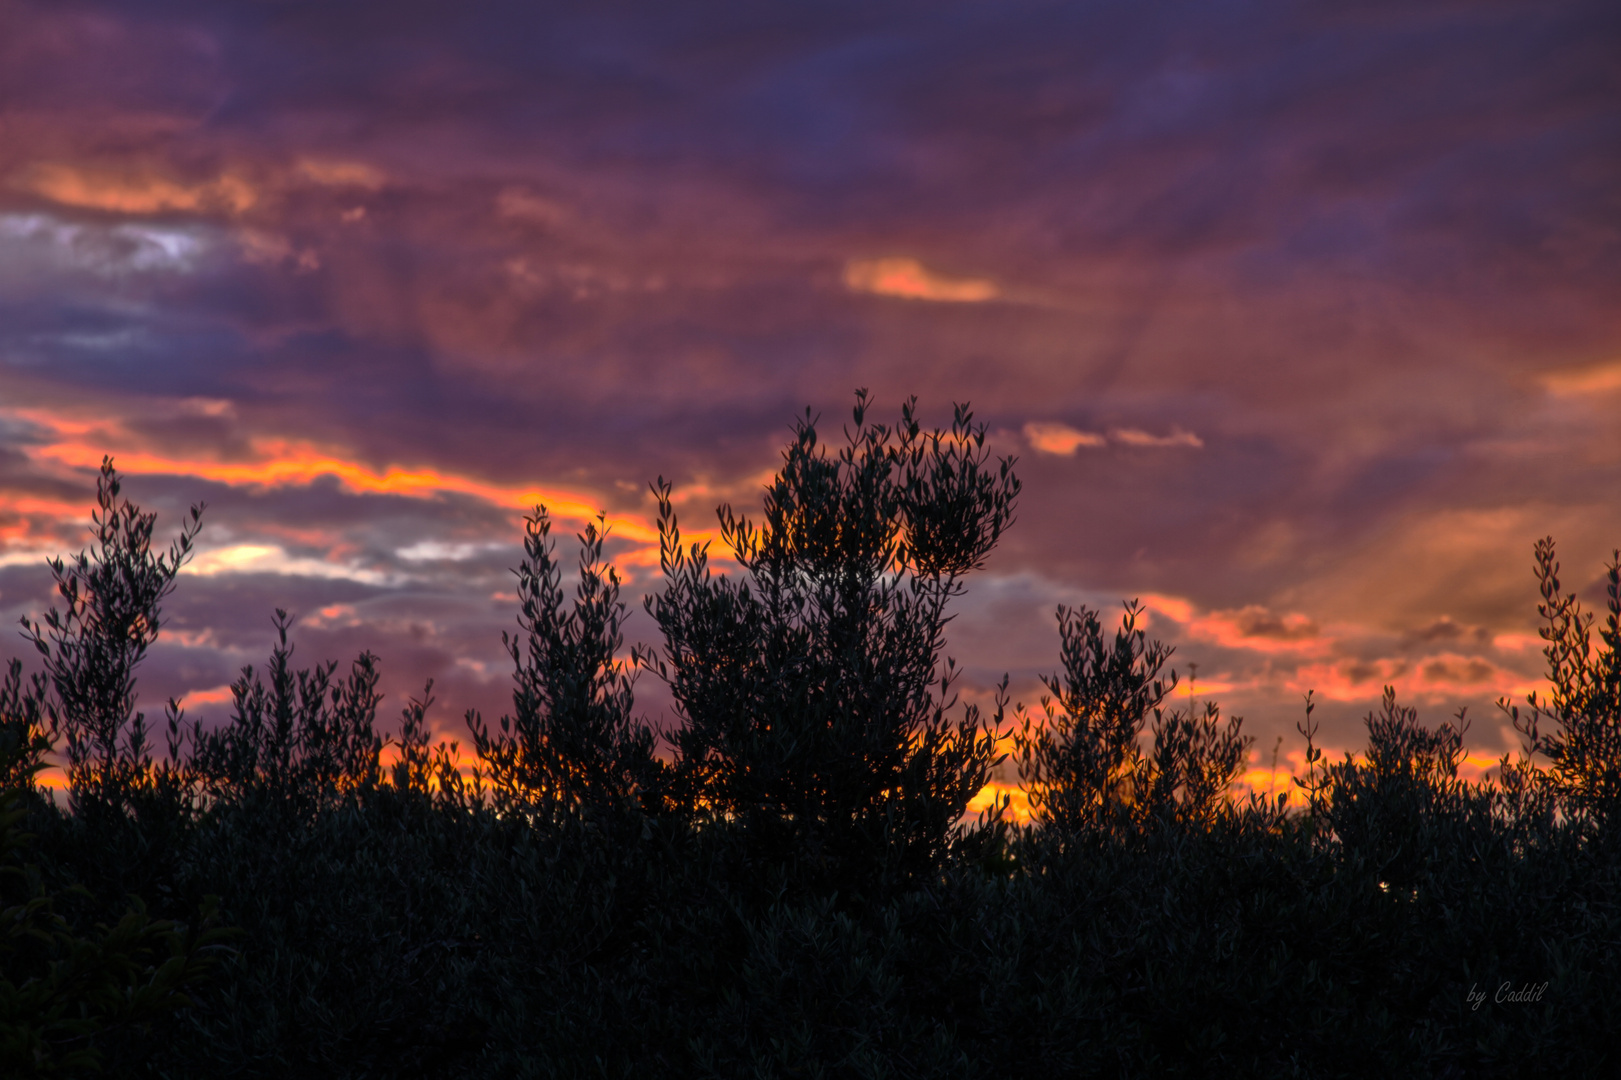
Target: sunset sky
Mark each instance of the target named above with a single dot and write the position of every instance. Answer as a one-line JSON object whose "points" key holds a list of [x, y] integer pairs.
{"points": [[1304, 321]]}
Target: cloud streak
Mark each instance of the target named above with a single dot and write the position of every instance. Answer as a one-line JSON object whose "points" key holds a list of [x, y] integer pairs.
{"points": [[138, 193], [1061, 440], [908, 279]]}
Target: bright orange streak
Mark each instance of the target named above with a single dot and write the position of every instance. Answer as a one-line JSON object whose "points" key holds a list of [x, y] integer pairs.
{"points": [[290, 464], [908, 278], [283, 463], [18, 505], [137, 193]]}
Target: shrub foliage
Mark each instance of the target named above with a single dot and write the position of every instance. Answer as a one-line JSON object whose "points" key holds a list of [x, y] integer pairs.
{"points": [[789, 886]]}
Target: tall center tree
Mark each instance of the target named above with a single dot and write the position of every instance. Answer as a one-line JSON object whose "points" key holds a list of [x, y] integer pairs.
{"points": [[817, 706]]}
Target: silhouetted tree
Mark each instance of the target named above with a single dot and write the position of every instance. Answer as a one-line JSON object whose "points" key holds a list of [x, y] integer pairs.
{"points": [[1385, 807], [570, 745], [297, 738], [811, 686], [1584, 705], [112, 595], [1082, 764], [61, 987]]}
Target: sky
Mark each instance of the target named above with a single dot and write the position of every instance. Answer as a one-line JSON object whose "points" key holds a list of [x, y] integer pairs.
{"points": [[1301, 320]]}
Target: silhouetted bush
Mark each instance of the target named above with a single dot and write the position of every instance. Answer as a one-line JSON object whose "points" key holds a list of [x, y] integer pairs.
{"points": [[813, 700], [64, 987], [1082, 763], [791, 889], [571, 747]]}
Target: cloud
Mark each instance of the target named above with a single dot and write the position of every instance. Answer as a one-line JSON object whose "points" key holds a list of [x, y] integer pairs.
{"points": [[1445, 677], [107, 250], [136, 191], [1446, 629], [1576, 382], [1061, 439], [1138, 437], [331, 173], [524, 205], [440, 551], [272, 559], [270, 249], [259, 465], [1256, 622], [1253, 628], [907, 278], [24, 556]]}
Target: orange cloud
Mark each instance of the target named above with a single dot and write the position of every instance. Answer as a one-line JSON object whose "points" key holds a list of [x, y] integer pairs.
{"points": [[1137, 437], [278, 463], [1259, 630], [134, 192], [1313, 657], [1445, 675], [1254, 627], [218, 695], [909, 279], [283, 464], [31, 528], [1063, 440], [29, 505], [1596, 379], [1060, 439], [1172, 607]]}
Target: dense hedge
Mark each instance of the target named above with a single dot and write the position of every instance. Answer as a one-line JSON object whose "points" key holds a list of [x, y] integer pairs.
{"points": [[794, 892]]}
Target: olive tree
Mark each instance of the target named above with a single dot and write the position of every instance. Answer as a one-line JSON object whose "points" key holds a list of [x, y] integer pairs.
{"points": [[818, 716]]}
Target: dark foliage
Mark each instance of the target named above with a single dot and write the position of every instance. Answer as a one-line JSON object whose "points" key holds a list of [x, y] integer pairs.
{"points": [[570, 748], [112, 596], [814, 704], [1585, 705], [794, 894], [67, 986], [298, 744], [1083, 764]]}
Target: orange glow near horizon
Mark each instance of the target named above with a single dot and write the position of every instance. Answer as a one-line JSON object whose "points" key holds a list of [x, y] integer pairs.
{"points": [[1258, 780]]}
